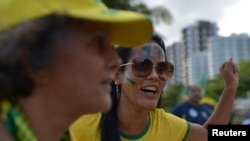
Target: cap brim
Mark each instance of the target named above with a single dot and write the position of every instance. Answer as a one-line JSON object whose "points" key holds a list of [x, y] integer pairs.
{"points": [[128, 28]]}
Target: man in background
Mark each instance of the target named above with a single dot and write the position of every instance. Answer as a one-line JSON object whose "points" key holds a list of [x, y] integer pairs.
{"points": [[191, 109]]}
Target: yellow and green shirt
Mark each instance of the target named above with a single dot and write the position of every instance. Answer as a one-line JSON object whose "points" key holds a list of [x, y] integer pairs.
{"points": [[162, 127], [17, 123]]}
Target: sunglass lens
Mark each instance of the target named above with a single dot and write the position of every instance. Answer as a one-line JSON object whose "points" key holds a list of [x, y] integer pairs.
{"points": [[142, 67], [170, 69], [164, 70]]}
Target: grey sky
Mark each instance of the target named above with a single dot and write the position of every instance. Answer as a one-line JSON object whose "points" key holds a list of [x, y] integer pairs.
{"points": [[187, 12]]}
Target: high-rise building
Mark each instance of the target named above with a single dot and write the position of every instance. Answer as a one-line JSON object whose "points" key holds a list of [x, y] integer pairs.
{"points": [[201, 52], [174, 56], [220, 49], [198, 67], [194, 40]]}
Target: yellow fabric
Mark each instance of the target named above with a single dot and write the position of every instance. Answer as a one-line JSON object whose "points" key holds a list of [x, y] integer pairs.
{"points": [[209, 100], [163, 127], [127, 28], [73, 137], [86, 128]]}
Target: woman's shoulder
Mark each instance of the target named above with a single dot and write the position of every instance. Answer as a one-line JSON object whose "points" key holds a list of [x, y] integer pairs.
{"points": [[88, 119], [159, 112], [86, 126]]}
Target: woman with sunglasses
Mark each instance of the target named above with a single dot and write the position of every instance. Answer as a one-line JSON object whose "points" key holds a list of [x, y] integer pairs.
{"points": [[136, 92]]}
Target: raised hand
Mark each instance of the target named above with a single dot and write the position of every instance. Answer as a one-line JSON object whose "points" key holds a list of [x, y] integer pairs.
{"points": [[229, 71]]}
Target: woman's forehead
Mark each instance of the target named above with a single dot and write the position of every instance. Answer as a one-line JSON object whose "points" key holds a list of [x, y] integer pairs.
{"points": [[149, 50]]}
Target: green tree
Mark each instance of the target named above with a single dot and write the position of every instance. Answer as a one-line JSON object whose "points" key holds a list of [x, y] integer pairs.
{"points": [[157, 14], [171, 96], [244, 78], [215, 86]]}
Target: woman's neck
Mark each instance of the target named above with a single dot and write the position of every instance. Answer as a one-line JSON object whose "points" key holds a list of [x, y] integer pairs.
{"points": [[132, 122], [47, 120], [4, 135]]}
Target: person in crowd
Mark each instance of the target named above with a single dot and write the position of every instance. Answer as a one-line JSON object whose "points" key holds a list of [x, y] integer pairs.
{"points": [[136, 92], [57, 61], [191, 109], [246, 119]]}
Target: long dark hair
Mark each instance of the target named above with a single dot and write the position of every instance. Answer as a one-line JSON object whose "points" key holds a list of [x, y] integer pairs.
{"points": [[109, 120]]}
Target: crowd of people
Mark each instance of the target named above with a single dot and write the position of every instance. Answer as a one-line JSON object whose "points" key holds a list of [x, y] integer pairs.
{"points": [[61, 78]]}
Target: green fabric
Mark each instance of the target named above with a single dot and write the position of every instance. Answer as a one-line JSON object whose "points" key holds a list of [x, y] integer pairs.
{"points": [[138, 136], [17, 124]]}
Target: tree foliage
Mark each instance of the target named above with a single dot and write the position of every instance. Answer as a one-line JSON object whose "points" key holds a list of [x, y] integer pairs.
{"points": [[157, 14], [215, 86], [244, 77], [171, 96]]}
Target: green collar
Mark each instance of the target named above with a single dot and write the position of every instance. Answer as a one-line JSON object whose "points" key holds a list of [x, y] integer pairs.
{"points": [[138, 136]]}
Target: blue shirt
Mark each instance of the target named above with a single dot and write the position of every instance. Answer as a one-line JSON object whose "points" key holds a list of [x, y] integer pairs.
{"points": [[196, 114]]}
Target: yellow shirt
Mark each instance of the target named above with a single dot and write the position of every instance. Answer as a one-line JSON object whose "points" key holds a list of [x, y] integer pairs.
{"points": [[163, 127]]}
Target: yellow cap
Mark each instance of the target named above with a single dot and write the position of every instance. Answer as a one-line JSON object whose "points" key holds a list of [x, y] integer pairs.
{"points": [[127, 28]]}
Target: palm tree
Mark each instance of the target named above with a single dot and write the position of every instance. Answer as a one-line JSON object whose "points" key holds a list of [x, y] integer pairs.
{"points": [[157, 14]]}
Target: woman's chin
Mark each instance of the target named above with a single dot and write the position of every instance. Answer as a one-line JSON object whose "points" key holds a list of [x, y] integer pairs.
{"points": [[149, 106]]}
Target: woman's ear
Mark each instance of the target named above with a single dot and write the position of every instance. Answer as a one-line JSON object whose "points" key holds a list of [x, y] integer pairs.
{"points": [[41, 76]]}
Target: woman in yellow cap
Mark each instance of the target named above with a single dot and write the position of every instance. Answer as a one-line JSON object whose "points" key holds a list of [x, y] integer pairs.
{"points": [[138, 86], [57, 63]]}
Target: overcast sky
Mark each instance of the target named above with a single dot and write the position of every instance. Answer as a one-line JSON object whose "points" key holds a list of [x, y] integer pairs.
{"points": [[231, 16]]}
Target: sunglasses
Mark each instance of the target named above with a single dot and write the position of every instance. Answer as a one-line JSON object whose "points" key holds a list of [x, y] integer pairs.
{"points": [[142, 67]]}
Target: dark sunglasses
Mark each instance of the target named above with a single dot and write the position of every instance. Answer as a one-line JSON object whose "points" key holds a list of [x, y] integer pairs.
{"points": [[142, 67]]}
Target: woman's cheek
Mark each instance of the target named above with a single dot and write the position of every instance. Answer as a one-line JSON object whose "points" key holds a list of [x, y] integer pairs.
{"points": [[130, 83]]}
